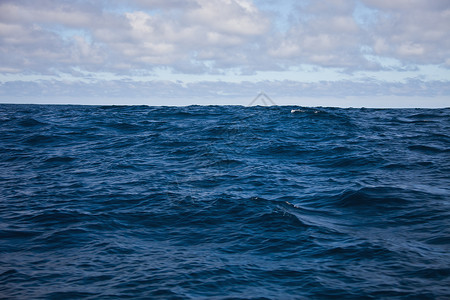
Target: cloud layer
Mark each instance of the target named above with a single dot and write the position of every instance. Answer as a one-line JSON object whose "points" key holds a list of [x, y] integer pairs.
{"points": [[132, 38], [216, 35]]}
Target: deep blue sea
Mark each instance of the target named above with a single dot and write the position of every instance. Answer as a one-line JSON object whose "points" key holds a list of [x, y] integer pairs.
{"points": [[224, 202]]}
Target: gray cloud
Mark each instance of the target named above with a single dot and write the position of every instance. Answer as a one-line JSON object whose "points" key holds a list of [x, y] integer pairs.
{"points": [[412, 31]]}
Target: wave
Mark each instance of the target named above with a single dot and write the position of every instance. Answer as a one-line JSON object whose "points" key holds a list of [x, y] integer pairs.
{"points": [[223, 201]]}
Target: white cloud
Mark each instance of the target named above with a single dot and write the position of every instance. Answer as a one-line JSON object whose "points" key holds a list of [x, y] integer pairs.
{"points": [[137, 39], [324, 33], [234, 17]]}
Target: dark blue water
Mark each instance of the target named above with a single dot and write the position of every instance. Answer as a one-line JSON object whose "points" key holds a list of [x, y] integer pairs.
{"points": [[224, 203]]}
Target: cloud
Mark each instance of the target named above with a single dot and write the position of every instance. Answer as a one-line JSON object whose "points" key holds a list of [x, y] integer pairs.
{"points": [[323, 33], [126, 38], [206, 34], [36, 36], [30, 39], [413, 31], [164, 90], [213, 35]]}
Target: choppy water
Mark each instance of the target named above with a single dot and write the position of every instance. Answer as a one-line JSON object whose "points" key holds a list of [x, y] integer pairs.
{"points": [[224, 203]]}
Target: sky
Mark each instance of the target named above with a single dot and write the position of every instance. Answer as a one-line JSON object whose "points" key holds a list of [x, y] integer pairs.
{"points": [[347, 53]]}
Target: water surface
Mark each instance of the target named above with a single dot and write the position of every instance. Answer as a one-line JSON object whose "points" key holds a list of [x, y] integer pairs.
{"points": [[217, 202]]}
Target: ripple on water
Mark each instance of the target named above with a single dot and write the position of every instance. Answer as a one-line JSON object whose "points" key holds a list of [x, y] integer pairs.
{"points": [[223, 202]]}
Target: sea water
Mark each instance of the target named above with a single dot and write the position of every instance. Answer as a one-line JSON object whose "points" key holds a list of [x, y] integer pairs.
{"points": [[224, 202]]}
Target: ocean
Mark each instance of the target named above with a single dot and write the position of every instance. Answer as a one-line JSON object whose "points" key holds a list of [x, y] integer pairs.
{"points": [[224, 202]]}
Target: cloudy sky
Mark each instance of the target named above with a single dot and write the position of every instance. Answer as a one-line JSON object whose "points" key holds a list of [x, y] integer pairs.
{"points": [[375, 53]]}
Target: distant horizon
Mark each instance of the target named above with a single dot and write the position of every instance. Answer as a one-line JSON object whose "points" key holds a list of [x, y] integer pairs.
{"points": [[314, 103]]}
